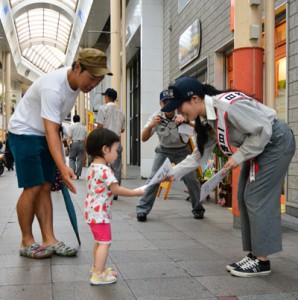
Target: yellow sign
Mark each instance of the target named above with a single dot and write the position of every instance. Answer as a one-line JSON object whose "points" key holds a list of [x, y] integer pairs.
{"points": [[90, 121]]}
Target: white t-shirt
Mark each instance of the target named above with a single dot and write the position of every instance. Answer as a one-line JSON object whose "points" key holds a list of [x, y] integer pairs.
{"points": [[99, 199], [111, 117], [49, 97]]}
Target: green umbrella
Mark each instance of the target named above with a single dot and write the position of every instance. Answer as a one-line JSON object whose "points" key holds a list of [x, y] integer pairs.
{"points": [[71, 211]]}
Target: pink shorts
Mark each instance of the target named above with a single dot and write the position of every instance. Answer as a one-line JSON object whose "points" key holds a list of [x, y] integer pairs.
{"points": [[102, 233]]}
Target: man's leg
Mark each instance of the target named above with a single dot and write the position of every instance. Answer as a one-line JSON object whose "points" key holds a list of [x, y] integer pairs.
{"points": [[194, 190], [44, 214], [146, 202], [117, 165], [190, 180], [72, 157], [26, 211], [80, 157]]}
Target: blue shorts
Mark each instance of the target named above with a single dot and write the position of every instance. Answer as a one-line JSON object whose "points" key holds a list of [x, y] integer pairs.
{"points": [[34, 162]]}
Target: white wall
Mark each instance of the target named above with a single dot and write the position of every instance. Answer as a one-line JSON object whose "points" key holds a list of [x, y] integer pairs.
{"points": [[151, 72]]}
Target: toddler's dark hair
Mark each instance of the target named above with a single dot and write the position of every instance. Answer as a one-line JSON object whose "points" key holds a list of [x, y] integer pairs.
{"points": [[98, 138]]}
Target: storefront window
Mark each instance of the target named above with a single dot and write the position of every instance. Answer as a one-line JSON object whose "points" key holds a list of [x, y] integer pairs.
{"points": [[280, 70], [280, 97], [182, 4]]}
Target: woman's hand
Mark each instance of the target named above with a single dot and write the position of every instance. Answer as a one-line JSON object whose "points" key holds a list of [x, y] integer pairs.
{"points": [[170, 178], [180, 120], [231, 164]]}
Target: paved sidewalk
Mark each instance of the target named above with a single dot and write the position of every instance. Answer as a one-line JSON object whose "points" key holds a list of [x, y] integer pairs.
{"points": [[172, 256]]}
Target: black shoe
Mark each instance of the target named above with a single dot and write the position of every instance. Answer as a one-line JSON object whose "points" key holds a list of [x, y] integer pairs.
{"points": [[252, 268], [198, 214], [240, 263], [115, 198], [142, 217]]}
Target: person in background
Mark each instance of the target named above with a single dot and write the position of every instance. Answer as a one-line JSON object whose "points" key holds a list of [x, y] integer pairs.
{"points": [[111, 117], [102, 145], [36, 146], [176, 147], [265, 147], [9, 161], [77, 135]]}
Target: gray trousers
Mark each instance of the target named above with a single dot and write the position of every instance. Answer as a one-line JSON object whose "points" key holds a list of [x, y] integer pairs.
{"points": [[117, 165], [175, 155], [76, 156], [259, 201]]}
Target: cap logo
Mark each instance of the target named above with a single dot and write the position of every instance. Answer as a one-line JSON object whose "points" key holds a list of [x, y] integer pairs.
{"points": [[170, 93], [190, 93]]}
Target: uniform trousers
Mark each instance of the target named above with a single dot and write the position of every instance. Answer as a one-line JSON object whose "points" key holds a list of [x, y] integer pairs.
{"points": [[259, 200], [175, 155]]}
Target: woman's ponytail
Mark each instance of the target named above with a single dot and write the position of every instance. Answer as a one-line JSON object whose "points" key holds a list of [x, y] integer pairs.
{"points": [[201, 130]]}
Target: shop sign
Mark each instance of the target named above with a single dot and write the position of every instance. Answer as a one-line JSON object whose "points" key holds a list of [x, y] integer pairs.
{"points": [[190, 44], [90, 121]]}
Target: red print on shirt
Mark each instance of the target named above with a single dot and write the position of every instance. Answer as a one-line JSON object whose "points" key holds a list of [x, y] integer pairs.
{"points": [[100, 190], [104, 176]]}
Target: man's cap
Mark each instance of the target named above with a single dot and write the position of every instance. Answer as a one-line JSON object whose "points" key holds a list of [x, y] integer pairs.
{"points": [[111, 93], [183, 89], [95, 61], [164, 95]]}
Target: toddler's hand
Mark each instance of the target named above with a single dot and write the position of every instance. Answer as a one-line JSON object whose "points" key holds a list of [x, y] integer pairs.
{"points": [[140, 192]]}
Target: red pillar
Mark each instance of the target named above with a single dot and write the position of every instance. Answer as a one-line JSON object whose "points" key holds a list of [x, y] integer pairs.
{"points": [[247, 78]]}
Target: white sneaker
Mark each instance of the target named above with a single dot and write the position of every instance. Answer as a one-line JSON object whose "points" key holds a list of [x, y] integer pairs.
{"points": [[103, 278]]}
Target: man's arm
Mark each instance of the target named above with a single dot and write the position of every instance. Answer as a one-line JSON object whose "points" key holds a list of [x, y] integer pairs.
{"points": [[55, 146], [153, 122]]}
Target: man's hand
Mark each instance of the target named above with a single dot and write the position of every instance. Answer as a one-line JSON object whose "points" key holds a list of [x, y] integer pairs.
{"points": [[67, 175], [156, 121], [55, 147]]}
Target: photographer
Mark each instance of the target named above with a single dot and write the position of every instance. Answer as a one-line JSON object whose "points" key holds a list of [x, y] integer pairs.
{"points": [[175, 146]]}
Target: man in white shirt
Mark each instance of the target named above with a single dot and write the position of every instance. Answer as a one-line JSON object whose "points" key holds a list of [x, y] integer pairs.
{"points": [[111, 117], [36, 146]]}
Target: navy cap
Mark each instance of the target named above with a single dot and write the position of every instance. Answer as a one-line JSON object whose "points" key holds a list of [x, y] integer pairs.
{"points": [[111, 93], [183, 89], [164, 95]]}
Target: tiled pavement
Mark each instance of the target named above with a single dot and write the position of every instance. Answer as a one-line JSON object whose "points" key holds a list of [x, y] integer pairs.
{"points": [[172, 256]]}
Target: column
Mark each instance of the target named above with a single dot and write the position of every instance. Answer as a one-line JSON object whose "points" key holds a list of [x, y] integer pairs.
{"points": [[8, 93], [115, 45], [269, 54], [248, 65]]}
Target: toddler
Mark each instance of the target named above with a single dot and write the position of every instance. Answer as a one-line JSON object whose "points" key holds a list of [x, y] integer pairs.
{"points": [[102, 145]]}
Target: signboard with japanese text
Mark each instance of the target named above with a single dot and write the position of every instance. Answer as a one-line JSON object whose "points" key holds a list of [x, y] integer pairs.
{"points": [[190, 44], [90, 121]]}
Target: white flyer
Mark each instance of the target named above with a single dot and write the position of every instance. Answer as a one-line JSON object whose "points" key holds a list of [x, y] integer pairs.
{"points": [[165, 170], [209, 186]]}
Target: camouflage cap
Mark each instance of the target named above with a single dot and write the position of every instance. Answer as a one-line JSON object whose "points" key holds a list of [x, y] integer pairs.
{"points": [[95, 61]]}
